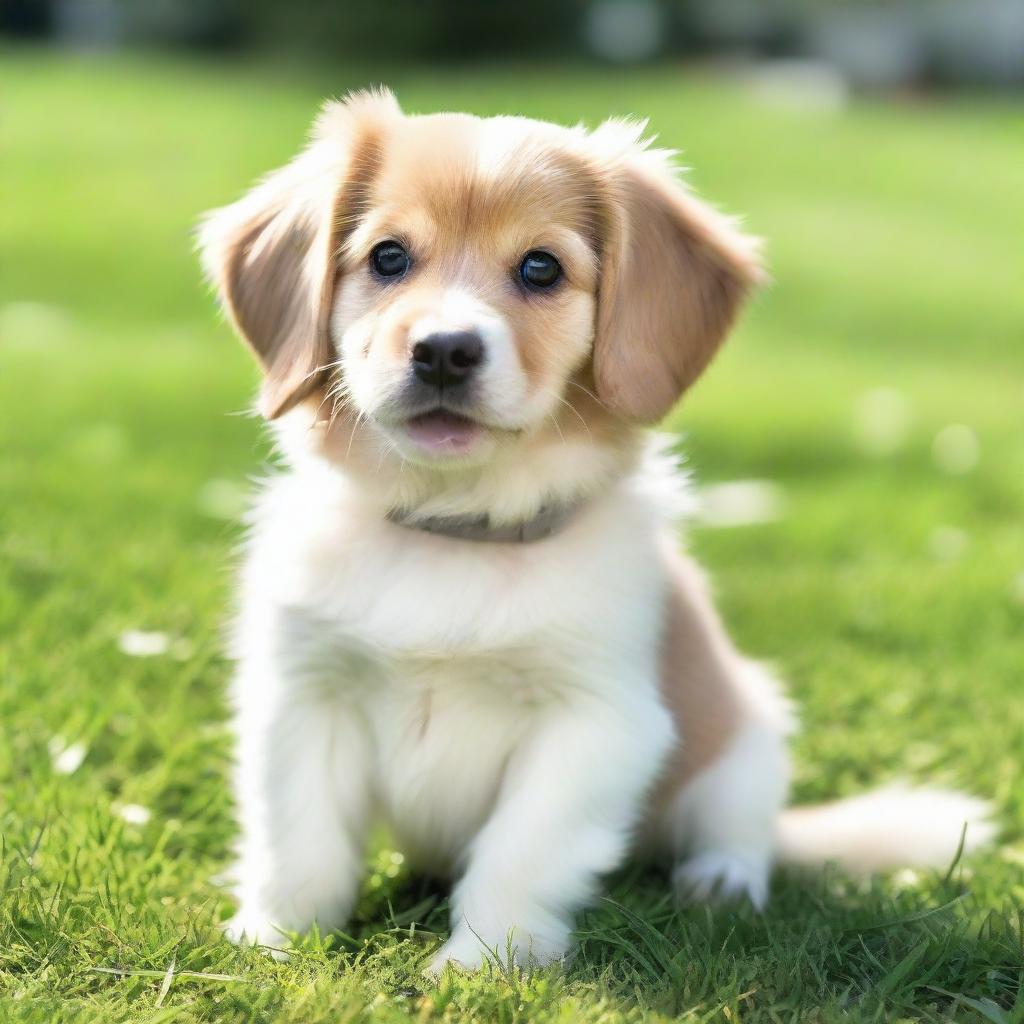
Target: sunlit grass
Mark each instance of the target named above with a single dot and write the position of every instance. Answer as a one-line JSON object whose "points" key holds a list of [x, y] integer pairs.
{"points": [[890, 592]]}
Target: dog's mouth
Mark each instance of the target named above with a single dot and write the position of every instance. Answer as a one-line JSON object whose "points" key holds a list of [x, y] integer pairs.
{"points": [[443, 432]]}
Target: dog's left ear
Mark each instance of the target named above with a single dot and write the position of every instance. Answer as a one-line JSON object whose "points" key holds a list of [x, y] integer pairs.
{"points": [[272, 255], [673, 274]]}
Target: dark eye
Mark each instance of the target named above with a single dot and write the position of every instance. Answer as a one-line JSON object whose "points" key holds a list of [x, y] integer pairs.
{"points": [[539, 269], [389, 259]]}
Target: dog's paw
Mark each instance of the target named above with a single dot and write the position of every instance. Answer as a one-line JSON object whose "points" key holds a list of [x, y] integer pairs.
{"points": [[248, 929], [467, 951], [448, 956], [722, 876]]}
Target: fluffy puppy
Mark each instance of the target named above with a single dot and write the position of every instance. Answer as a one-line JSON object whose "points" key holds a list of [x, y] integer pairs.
{"points": [[463, 612]]}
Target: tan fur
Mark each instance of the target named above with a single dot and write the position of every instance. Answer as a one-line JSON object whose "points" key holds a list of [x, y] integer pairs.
{"points": [[674, 274], [272, 256], [672, 271], [698, 678], [468, 226]]}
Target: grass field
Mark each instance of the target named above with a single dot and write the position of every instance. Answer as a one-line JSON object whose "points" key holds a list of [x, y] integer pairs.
{"points": [[878, 383]]}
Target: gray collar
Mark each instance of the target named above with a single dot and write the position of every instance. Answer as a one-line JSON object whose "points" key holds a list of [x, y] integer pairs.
{"points": [[551, 519]]}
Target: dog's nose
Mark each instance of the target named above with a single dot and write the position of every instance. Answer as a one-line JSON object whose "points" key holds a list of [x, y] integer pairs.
{"points": [[447, 359]]}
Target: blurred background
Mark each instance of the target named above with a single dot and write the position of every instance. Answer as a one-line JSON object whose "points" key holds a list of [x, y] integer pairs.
{"points": [[858, 447], [898, 43]]}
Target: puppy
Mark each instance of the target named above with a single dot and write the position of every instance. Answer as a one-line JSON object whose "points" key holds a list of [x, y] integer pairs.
{"points": [[463, 612]]}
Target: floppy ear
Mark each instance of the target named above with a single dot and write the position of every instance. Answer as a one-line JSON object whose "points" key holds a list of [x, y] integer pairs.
{"points": [[271, 255], [673, 274]]}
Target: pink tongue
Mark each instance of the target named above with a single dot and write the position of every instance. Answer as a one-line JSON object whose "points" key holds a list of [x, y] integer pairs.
{"points": [[440, 429]]}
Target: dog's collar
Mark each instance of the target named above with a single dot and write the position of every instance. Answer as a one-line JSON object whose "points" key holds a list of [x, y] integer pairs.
{"points": [[551, 519]]}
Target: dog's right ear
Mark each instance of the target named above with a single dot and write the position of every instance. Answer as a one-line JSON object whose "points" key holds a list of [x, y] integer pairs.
{"points": [[674, 272], [271, 255]]}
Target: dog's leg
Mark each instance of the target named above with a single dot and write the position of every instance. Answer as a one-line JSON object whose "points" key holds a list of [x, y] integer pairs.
{"points": [[717, 807], [301, 786], [723, 821], [570, 797]]}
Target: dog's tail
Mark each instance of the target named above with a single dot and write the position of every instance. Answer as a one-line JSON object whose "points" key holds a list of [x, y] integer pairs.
{"points": [[887, 828]]}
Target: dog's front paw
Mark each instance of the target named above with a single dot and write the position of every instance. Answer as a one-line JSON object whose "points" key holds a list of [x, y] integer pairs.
{"points": [[247, 928], [720, 876], [458, 955], [516, 949]]}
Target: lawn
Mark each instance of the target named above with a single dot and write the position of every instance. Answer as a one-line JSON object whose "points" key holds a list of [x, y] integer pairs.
{"points": [[877, 383]]}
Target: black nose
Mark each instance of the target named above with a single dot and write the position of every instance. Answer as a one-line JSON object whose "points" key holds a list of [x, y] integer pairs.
{"points": [[447, 359]]}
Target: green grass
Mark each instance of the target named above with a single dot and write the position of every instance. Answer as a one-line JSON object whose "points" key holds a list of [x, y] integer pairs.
{"points": [[894, 240]]}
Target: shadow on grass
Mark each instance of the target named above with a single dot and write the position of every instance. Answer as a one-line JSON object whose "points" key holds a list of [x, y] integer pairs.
{"points": [[826, 941]]}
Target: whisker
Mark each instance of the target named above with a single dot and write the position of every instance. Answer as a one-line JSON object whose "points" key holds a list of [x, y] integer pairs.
{"points": [[334, 364], [330, 395], [352, 435], [340, 394], [551, 416], [339, 398], [385, 450], [587, 391], [576, 413], [338, 402]]}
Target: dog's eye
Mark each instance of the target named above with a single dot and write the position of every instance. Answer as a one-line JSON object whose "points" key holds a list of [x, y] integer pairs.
{"points": [[539, 269], [389, 259]]}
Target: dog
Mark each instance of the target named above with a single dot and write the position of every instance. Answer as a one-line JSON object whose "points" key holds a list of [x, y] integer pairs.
{"points": [[463, 611]]}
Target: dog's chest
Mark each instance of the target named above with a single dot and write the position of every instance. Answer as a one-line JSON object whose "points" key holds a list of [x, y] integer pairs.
{"points": [[464, 654], [444, 729], [452, 654]]}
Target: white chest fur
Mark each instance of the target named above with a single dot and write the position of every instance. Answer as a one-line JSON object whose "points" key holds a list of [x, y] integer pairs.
{"points": [[447, 652]]}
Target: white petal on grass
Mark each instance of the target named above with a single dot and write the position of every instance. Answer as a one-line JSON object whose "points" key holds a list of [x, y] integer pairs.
{"points": [[740, 503], [881, 421], [67, 757], [956, 449], [223, 499], [948, 543], [135, 814], [141, 643]]}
